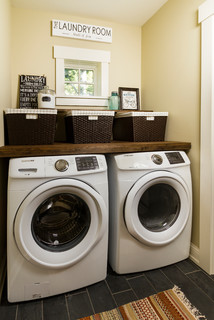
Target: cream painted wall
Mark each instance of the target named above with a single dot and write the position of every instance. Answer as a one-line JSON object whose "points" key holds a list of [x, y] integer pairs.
{"points": [[5, 74], [171, 79], [5, 102], [32, 48]]}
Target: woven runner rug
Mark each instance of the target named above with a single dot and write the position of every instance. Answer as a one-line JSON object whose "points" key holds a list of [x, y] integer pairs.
{"points": [[171, 304]]}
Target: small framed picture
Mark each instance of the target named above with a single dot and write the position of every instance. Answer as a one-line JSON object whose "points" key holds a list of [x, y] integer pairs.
{"points": [[129, 98]]}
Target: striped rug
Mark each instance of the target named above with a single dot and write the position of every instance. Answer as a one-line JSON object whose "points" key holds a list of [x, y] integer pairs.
{"points": [[171, 304]]}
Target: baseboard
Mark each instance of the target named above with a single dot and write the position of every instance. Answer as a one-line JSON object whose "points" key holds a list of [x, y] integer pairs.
{"points": [[194, 253], [2, 274]]}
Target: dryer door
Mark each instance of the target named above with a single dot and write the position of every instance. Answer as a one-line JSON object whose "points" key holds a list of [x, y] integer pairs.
{"points": [[157, 208], [60, 222]]}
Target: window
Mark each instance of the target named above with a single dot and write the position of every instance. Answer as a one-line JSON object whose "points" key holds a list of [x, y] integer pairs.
{"points": [[82, 76], [80, 79]]}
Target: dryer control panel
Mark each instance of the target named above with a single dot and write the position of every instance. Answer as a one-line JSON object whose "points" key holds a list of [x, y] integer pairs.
{"points": [[151, 160], [174, 157]]}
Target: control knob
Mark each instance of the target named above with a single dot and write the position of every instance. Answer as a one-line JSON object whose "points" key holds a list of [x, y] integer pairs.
{"points": [[61, 165], [157, 159]]}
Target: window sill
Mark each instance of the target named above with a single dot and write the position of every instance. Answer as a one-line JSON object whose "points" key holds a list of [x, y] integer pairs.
{"points": [[94, 101]]}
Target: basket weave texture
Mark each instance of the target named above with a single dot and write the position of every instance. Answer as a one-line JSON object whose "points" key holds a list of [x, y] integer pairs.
{"points": [[22, 131], [139, 129], [79, 129]]}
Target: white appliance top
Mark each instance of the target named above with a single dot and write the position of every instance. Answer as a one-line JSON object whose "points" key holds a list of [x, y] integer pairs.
{"points": [[151, 160], [56, 166]]}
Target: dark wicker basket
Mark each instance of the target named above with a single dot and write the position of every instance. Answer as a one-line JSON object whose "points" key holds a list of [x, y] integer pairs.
{"points": [[89, 128], [140, 128], [23, 131]]}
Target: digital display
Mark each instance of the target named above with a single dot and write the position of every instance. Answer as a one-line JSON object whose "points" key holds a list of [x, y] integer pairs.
{"points": [[174, 157], [86, 163]]}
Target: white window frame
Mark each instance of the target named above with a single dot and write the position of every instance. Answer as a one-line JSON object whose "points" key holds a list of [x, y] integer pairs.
{"points": [[102, 57]]}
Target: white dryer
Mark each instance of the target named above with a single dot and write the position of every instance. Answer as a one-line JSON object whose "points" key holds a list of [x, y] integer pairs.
{"points": [[57, 226], [150, 206]]}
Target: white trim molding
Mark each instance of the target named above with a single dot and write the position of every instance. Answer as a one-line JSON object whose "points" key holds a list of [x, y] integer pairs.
{"points": [[205, 10], [206, 256], [194, 254], [76, 101], [100, 56], [81, 54]]}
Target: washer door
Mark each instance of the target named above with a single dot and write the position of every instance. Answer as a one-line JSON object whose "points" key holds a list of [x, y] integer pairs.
{"points": [[60, 222], [157, 208]]}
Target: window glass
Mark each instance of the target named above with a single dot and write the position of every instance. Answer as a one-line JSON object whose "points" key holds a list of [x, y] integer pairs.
{"points": [[71, 75], [87, 76], [159, 207], [71, 89], [79, 81], [86, 90]]}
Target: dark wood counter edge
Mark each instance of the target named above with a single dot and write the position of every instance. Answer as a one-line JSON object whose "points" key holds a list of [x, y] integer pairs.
{"points": [[93, 148]]}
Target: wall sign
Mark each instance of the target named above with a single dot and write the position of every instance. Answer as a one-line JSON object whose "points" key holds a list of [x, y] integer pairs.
{"points": [[29, 85], [82, 31]]}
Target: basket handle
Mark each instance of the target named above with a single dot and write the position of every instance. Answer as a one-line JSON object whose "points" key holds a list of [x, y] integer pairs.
{"points": [[92, 117], [31, 116]]}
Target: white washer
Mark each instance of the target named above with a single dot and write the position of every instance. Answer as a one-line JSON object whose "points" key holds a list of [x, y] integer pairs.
{"points": [[57, 232], [150, 205]]}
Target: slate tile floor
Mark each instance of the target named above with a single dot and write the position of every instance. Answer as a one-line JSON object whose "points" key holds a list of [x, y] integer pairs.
{"points": [[117, 290]]}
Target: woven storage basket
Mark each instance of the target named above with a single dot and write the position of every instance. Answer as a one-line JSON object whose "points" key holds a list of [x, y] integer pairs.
{"points": [[140, 126], [30, 126], [89, 126]]}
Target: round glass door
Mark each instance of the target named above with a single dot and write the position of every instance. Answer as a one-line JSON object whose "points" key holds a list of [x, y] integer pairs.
{"points": [[157, 208], [61, 222]]}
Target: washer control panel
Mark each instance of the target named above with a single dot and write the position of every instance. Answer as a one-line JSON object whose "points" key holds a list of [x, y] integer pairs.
{"points": [[57, 166], [87, 163]]}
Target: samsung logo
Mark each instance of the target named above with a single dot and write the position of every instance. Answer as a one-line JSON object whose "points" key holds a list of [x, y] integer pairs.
{"points": [[27, 160]]}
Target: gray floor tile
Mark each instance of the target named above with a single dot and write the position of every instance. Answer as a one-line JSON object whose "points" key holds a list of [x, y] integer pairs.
{"points": [[79, 305], [159, 280], [101, 297], [141, 287], [8, 312], [31, 310], [125, 297], [55, 308], [204, 282], [187, 266], [117, 283]]}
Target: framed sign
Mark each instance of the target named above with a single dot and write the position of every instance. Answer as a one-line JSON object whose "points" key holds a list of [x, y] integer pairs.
{"points": [[129, 98], [29, 85], [82, 31]]}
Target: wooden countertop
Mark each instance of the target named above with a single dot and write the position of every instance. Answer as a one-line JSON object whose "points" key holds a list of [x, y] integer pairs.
{"points": [[12, 151]]}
